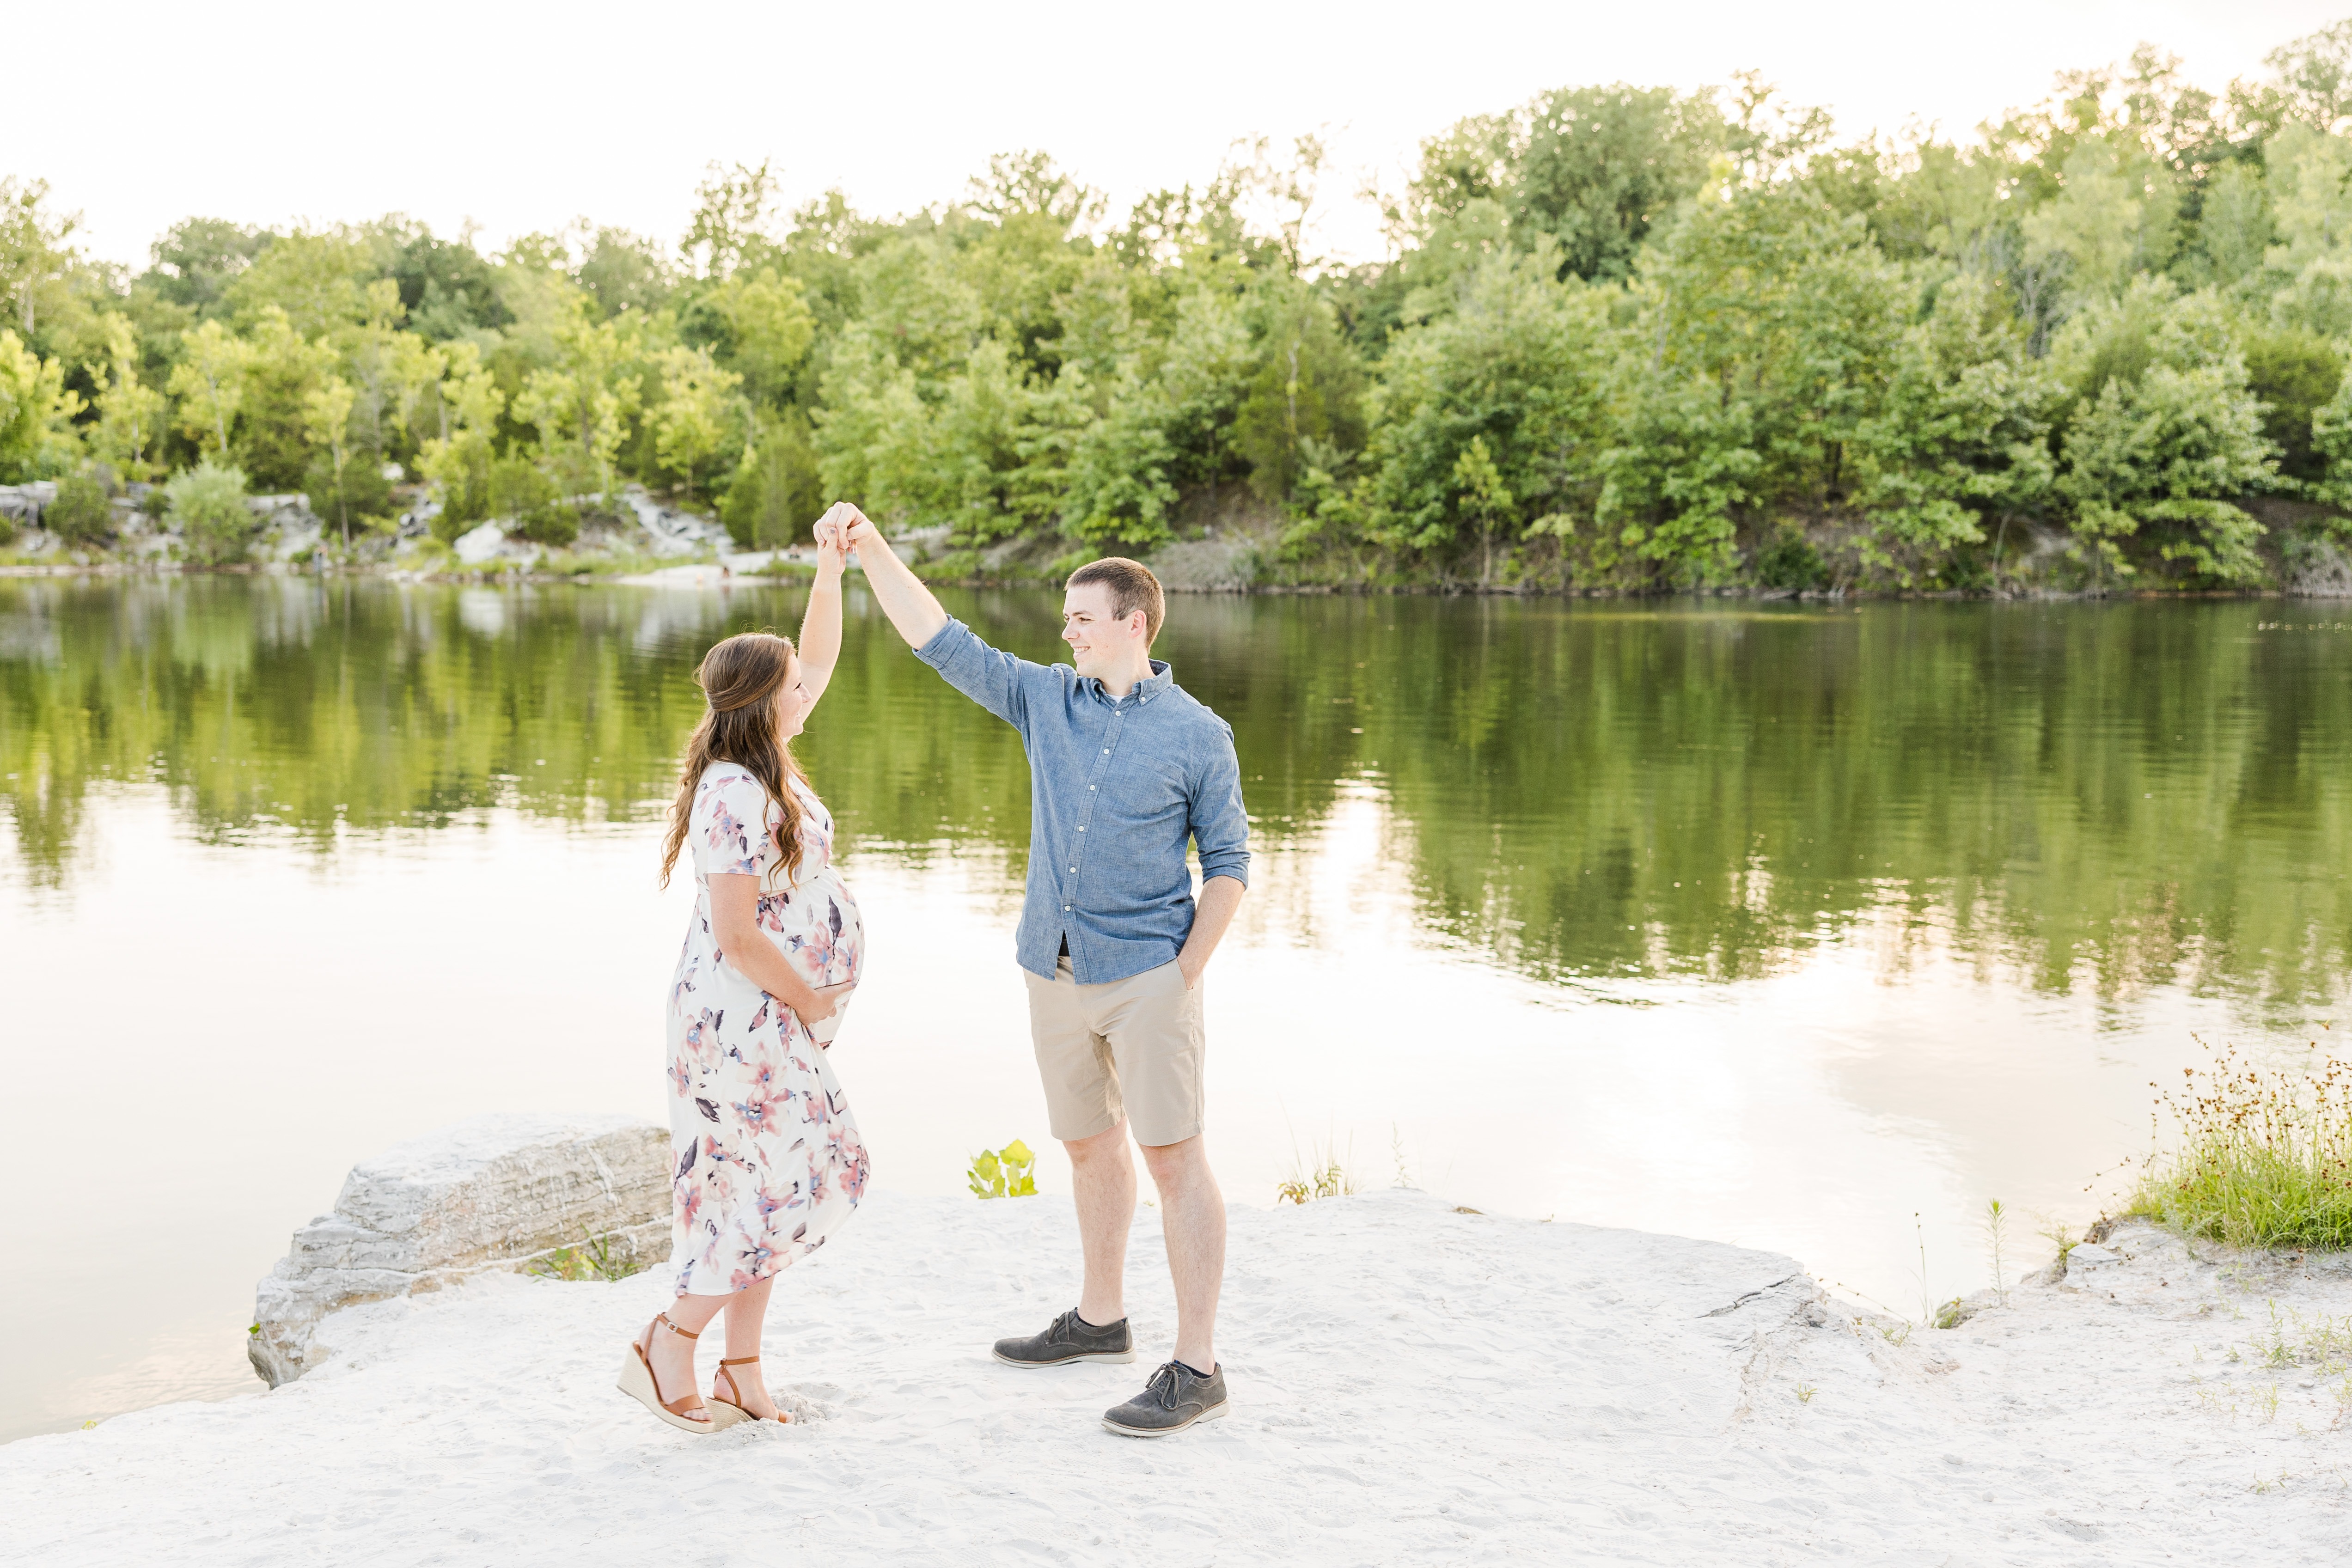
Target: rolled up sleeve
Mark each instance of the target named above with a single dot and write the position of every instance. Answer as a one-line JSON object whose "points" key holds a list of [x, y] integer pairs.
{"points": [[994, 679], [1219, 825]]}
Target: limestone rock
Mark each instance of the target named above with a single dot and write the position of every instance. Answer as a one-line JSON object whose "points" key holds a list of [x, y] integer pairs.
{"points": [[495, 1192]]}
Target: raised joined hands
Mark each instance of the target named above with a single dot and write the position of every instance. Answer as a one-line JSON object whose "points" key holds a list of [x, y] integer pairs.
{"points": [[841, 529]]}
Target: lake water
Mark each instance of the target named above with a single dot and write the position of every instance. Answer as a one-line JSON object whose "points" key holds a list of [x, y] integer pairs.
{"points": [[1780, 924]]}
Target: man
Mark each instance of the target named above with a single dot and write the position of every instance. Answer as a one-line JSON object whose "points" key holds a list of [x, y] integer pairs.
{"points": [[1124, 768]]}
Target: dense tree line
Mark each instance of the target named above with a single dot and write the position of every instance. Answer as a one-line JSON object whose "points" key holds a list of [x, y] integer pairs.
{"points": [[1626, 338]]}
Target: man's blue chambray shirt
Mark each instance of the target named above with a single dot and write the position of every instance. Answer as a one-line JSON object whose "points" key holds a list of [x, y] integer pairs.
{"points": [[1116, 786]]}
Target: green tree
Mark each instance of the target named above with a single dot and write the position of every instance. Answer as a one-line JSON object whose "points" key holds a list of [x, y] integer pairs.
{"points": [[581, 403], [1491, 418], [458, 460], [695, 417], [1964, 432], [36, 410], [327, 418], [208, 504], [1770, 329], [776, 491], [2161, 460], [769, 328], [1600, 168], [1307, 391], [208, 384], [129, 413], [273, 432]]}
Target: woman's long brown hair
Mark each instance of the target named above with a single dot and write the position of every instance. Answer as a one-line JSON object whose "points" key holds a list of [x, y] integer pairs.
{"points": [[739, 678]]}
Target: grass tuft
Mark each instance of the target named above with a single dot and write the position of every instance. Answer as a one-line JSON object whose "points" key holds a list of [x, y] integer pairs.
{"points": [[593, 1259], [2263, 1158], [1319, 1175]]}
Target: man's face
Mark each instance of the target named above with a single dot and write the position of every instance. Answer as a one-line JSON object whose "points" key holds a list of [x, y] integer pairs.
{"points": [[1100, 643]]}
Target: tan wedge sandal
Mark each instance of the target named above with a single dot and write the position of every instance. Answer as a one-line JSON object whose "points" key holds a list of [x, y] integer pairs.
{"points": [[639, 1382], [736, 1403]]}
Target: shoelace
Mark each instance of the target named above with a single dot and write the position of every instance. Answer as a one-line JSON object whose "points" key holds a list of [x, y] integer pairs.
{"points": [[1164, 1384]]}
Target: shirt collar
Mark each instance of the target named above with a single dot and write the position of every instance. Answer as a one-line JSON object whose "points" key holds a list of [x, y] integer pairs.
{"points": [[1162, 676]]}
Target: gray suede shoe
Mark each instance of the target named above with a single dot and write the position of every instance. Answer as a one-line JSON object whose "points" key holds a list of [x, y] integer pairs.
{"points": [[1067, 1339], [1176, 1398]]}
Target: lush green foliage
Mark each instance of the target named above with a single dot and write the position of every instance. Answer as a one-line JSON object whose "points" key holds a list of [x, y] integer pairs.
{"points": [[81, 514], [1628, 338], [207, 502]]}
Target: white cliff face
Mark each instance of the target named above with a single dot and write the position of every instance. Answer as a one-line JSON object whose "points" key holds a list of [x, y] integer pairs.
{"points": [[496, 1192]]}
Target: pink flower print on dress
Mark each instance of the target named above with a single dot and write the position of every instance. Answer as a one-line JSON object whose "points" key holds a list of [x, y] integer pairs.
{"points": [[771, 1203], [761, 1112], [729, 837]]}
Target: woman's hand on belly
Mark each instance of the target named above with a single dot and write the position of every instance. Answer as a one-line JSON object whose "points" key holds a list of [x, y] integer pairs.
{"points": [[734, 922], [826, 1006]]}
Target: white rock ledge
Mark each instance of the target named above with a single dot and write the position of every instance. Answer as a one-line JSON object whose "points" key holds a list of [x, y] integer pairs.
{"points": [[496, 1192]]}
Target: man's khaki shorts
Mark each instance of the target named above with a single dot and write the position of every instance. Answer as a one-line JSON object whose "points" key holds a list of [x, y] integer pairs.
{"points": [[1130, 1048]]}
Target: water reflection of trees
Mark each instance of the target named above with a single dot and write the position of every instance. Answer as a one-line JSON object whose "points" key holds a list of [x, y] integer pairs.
{"points": [[2127, 794]]}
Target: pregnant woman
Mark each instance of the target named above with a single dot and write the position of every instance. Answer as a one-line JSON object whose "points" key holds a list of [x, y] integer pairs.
{"points": [[766, 1162]]}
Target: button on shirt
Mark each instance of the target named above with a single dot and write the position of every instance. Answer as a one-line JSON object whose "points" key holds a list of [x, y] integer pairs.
{"points": [[1117, 785]]}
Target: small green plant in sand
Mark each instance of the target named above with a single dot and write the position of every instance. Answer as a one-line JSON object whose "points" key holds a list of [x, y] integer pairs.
{"points": [[1319, 1175], [2263, 1157], [2061, 1237], [1004, 1173], [593, 1259], [1996, 1230]]}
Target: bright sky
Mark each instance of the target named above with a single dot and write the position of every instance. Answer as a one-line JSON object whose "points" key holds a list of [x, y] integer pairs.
{"points": [[524, 117]]}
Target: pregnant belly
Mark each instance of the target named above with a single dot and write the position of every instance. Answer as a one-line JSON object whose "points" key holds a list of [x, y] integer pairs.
{"points": [[818, 927]]}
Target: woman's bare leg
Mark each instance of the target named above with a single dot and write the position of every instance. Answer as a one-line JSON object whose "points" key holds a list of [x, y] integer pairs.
{"points": [[746, 1312], [672, 1355]]}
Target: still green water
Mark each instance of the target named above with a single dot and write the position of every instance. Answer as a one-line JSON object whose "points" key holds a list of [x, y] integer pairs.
{"points": [[1778, 925], [2112, 795]]}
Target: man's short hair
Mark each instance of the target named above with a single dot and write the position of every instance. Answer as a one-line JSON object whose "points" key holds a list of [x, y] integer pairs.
{"points": [[1132, 588]]}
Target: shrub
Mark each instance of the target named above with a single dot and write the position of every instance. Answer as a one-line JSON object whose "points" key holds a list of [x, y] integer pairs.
{"points": [[521, 491], [2264, 1158], [1790, 562], [207, 502], [358, 499], [81, 514]]}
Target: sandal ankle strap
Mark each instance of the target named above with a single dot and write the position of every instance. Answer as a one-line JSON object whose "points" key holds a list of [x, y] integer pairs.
{"points": [[742, 1361], [663, 1319]]}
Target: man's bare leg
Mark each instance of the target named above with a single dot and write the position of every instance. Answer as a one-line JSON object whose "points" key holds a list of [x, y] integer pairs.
{"points": [[1102, 1183], [1193, 1219]]}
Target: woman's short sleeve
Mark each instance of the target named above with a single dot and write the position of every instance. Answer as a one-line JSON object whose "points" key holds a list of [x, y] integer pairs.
{"points": [[729, 828]]}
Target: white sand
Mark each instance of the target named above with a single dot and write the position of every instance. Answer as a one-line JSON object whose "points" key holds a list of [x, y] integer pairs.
{"points": [[1411, 1384]]}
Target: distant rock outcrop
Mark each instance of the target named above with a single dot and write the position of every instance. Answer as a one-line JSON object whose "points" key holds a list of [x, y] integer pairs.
{"points": [[495, 1192]]}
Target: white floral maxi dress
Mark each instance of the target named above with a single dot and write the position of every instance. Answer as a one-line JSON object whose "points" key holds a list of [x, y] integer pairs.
{"points": [[766, 1162]]}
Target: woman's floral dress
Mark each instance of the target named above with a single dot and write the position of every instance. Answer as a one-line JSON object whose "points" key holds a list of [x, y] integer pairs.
{"points": [[767, 1162]]}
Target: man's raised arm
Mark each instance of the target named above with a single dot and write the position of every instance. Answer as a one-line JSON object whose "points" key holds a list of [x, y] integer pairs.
{"points": [[896, 588]]}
